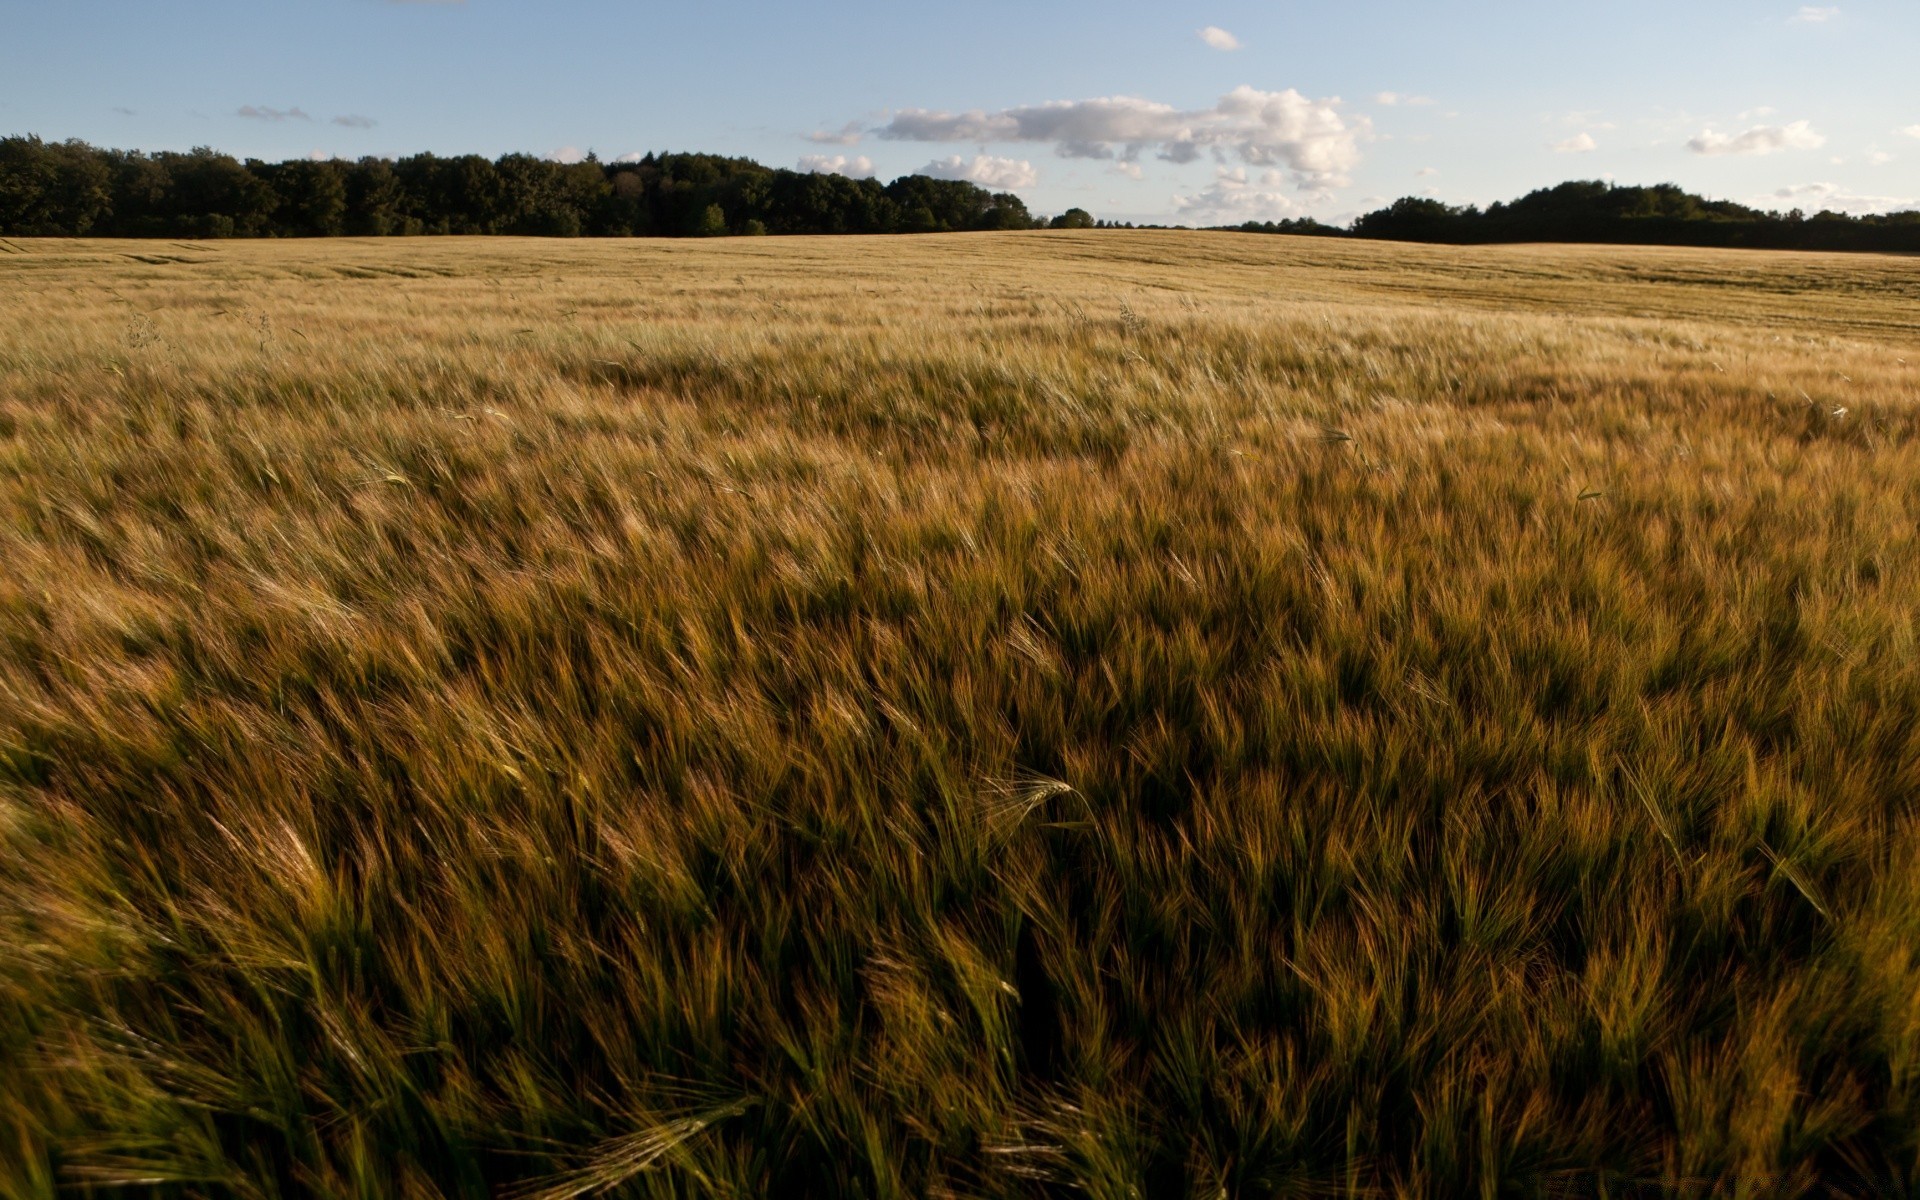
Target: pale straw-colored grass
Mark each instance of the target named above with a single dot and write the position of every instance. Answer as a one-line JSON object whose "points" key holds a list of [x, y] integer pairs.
{"points": [[1152, 714]]}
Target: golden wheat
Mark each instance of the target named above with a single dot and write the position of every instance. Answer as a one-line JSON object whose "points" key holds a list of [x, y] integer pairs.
{"points": [[1154, 714]]}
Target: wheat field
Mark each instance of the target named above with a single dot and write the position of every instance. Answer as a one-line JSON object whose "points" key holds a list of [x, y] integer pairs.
{"points": [[1125, 714]]}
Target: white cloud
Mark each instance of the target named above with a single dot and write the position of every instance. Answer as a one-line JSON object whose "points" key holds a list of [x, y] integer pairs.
{"points": [[1912, 131], [1879, 158], [633, 157], [1396, 99], [1579, 143], [1424, 172], [1814, 14], [1132, 170], [261, 112], [567, 154], [1814, 197], [1234, 196], [1219, 38], [1761, 139], [837, 164], [1004, 174], [1310, 138], [847, 135]]}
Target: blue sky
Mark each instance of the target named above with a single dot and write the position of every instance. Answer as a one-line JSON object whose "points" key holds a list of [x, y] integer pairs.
{"points": [[1195, 113]]}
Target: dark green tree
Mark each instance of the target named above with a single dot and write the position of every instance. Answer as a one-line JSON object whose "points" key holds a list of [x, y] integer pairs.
{"points": [[312, 196], [210, 194], [52, 188], [1006, 211], [376, 201], [1414, 219]]}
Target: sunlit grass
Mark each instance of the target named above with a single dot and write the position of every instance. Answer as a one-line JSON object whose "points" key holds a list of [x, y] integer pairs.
{"points": [[1143, 714]]}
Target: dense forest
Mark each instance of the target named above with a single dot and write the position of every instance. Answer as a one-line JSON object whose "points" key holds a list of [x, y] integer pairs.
{"points": [[1592, 211], [71, 188]]}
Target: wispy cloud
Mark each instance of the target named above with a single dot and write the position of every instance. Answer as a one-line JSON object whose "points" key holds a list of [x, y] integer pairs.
{"points": [[985, 170], [1834, 197], [1761, 139], [1815, 14], [125, 112], [1587, 119], [1311, 139], [261, 112], [1912, 131], [847, 135], [1218, 38], [1398, 99], [837, 164], [1579, 143], [355, 121], [1424, 172]]}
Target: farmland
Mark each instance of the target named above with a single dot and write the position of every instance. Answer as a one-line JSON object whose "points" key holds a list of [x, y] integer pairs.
{"points": [[1122, 713]]}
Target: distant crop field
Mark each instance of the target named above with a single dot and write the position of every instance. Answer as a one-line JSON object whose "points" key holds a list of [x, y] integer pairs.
{"points": [[1126, 714]]}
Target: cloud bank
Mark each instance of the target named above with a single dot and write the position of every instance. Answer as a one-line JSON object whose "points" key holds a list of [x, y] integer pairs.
{"points": [[1761, 139], [1235, 196], [837, 164], [1311, 139], [1831, 196], [1005, 174]]}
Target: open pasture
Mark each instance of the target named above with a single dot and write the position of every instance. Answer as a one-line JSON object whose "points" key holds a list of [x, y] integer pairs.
{"points": [[1123, 713]]}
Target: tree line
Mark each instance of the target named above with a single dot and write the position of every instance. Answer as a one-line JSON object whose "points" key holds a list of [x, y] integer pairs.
{"points": [[73, 189], [1597, 212]]}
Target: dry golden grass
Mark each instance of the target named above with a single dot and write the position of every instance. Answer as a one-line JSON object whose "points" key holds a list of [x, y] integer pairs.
{"points": [[1143, 714]]}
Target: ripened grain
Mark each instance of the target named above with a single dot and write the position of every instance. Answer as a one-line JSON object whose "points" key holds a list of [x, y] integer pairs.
{"points": [[1149, 714]]}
